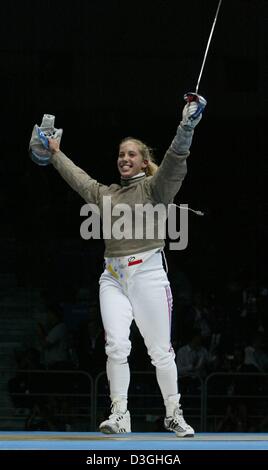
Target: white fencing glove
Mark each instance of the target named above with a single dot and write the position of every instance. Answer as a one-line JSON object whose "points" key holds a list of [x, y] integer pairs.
{"points": [[192, 111], [191, 116], [39, 144]]}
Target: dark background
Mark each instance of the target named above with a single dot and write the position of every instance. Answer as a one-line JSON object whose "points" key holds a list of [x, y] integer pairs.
{"points": [[108, 69]]}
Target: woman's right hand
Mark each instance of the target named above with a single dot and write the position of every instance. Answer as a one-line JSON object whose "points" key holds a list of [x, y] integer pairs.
{"points": [[54, 145]]}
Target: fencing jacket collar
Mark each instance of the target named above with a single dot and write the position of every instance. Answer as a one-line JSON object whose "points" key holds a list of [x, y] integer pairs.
{"points": [[133, 180]]}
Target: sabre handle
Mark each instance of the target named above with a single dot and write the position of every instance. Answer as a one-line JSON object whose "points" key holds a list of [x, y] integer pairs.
{"points": [[200, 101], [190, 97]]}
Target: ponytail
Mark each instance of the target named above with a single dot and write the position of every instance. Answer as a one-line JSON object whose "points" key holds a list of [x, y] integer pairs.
{"points": [[151, 168]]}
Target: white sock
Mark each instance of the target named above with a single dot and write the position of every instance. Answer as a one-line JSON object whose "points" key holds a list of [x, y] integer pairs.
{"points": [[168, 381], [171, 403], [118, 377]]}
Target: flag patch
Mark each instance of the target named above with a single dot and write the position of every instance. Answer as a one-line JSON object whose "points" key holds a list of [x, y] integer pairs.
{"points": [[137, 261]]}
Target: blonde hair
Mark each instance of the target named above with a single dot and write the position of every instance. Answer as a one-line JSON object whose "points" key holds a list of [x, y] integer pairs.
{"points": [[147, 154]]}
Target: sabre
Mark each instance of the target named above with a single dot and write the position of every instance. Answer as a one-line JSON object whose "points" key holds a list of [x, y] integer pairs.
{"points": [[207, 48], [193, 96]]}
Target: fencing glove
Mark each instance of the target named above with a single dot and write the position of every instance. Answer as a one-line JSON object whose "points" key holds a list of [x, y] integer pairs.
{"points": [[39, 144]]}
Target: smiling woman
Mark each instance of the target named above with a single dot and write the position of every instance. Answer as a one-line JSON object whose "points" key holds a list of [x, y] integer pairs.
{"points": [[134, 284], [135, 157]]}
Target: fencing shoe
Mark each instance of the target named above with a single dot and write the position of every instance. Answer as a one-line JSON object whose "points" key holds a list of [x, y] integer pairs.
{"points": [[174, 420], [119, 419]]}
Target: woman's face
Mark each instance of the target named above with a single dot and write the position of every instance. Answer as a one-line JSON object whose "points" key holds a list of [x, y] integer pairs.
{"points": [[130, 161]]}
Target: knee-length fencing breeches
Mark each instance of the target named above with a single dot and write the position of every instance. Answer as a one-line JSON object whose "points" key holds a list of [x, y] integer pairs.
{"points": [[137, 288]]}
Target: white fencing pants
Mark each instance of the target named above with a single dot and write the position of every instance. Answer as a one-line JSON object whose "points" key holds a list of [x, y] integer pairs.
{"points": [[137, 288]]}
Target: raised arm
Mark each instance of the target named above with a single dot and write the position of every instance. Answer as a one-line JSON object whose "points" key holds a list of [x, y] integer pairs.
{"points": [[168, 179], [44, 149], [88, 188]]}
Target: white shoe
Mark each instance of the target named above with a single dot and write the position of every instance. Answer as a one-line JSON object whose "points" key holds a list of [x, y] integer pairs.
{"points": [[118, 421], [177, 423]]}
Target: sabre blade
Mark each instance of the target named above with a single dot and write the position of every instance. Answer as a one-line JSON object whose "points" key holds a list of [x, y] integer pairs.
{"points": [[207, 48]]}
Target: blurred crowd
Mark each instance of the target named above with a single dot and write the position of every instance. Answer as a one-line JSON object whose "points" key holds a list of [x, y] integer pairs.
{"points": [[211, 333]]}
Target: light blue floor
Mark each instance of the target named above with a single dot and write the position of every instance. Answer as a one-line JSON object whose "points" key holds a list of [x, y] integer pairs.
{"points": [[134, 441]]}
